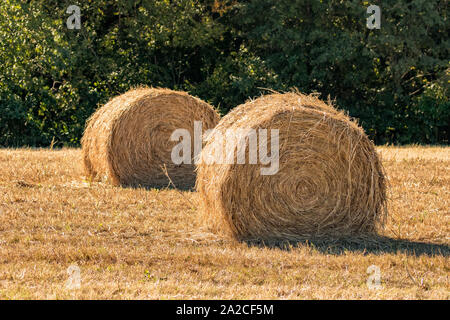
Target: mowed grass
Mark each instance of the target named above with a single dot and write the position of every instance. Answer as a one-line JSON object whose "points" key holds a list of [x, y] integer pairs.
{"points": [[148, 244]]}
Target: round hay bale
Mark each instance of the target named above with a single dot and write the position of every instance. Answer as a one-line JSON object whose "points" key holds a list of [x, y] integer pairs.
{"points": [[330, 181], [127, 141]]}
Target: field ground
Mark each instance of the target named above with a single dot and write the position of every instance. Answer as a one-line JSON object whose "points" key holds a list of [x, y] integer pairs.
{"points": [[147, 244]]}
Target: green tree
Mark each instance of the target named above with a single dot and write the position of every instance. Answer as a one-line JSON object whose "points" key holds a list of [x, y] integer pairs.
{"points": [[394, 79], [325, 46]]}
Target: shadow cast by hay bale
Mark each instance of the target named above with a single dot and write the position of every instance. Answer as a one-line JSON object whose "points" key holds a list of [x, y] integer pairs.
{"points": [[160, 187], [365, 245]]}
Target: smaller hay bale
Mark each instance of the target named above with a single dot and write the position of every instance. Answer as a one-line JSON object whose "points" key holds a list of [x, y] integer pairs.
{"points": [[330, 181], [127, 141]]}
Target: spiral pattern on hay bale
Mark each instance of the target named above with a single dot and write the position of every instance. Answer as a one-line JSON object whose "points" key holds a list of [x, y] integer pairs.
{"points": [[127, 141], [330, 180]]}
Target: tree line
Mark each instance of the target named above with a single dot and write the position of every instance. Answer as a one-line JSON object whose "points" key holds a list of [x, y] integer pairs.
{"points": [[394, 79]]}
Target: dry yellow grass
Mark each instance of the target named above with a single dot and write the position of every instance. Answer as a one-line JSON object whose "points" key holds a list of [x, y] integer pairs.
{"points": [[147, 244]]}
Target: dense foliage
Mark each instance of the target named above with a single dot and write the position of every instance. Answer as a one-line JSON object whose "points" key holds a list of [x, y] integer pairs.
{"points": [[394, 79]]}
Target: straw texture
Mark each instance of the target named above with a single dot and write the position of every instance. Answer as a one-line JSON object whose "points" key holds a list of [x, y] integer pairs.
{"points": [[127, 141], [330, 180]]}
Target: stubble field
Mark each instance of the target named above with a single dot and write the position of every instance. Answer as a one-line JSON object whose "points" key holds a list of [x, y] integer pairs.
{"points": [[148, 244]]}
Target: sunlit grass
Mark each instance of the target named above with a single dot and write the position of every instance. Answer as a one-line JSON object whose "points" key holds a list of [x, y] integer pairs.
{"points": [[148, 244]]}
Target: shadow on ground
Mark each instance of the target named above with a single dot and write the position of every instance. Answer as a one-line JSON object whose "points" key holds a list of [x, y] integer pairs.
{"points": [[187, 187], [366, 245]]}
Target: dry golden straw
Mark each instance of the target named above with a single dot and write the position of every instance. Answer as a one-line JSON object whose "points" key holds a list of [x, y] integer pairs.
{"points": [[330, 180], [127, 141]]}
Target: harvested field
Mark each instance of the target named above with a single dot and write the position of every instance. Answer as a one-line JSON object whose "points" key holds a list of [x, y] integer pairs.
{"points": [[148, 243]]}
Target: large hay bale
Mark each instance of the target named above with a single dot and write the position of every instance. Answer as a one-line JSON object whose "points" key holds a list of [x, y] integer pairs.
{"points": [[127, 141], [330, 180]]}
